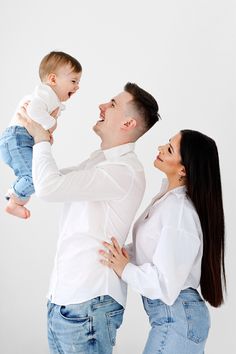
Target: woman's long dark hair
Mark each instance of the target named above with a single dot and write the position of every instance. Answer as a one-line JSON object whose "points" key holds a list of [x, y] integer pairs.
{"points": [[199, 156]]}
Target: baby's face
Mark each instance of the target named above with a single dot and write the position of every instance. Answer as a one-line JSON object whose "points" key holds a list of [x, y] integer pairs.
{"points": [[66, 82]]}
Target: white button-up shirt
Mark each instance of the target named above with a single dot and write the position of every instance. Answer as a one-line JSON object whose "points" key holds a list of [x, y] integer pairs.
{"points": [[43, 101], [167, 247], [101, 197]]}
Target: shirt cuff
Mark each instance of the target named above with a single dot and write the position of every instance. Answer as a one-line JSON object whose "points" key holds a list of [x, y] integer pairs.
{"points": [[128, 272], [42, 146]]}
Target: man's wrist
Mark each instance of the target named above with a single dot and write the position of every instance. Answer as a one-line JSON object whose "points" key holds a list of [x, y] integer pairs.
{"points": [[41, 139]]}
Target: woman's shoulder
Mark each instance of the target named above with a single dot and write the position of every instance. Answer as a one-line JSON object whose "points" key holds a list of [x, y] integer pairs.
{"points": [[178, 211]]}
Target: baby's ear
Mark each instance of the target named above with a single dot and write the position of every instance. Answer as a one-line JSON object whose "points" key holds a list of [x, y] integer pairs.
{"points": [[52, 79]]}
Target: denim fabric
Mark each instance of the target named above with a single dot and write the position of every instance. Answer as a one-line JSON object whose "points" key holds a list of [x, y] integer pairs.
{"points": [[178, 329], [16, 151], [86, 328]]}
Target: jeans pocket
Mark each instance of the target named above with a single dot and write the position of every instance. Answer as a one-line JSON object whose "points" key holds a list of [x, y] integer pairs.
{"points": [[114, 320], [24, 140], [198, 320], [159, 313], [70, 313]]}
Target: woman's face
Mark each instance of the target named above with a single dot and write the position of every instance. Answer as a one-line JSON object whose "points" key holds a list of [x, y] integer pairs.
{"points": [[169, 159]]}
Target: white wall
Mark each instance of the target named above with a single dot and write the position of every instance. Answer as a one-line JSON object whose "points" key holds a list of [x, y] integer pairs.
{"points": [[183, 52]]}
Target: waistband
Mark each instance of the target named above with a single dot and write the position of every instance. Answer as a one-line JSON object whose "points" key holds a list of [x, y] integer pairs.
{"points": [[16, 129]]}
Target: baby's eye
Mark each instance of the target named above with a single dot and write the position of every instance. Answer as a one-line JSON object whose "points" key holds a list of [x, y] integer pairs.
{"points": [[169, 149], [73, 81]]}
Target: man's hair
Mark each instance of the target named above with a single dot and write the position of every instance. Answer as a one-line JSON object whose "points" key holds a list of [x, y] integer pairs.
{"points": [[145, 104], [54, 60]]}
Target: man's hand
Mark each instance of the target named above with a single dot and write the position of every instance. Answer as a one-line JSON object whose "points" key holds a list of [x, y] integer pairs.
{"points": [[34, 129], [117, 258]]}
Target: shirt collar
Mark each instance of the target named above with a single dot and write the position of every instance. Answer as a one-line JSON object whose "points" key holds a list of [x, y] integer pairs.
{"points": [[117, 151], [162, 195]]}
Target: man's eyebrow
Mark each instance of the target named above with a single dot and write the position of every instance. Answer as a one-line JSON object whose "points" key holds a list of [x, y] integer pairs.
{"points": [[171, 145]]}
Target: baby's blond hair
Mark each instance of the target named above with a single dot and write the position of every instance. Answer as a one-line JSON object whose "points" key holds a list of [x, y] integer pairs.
{"points": [[52, 61]]}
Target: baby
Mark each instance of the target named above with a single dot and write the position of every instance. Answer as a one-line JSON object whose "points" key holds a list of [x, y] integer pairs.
{"points": [[60, 75]]}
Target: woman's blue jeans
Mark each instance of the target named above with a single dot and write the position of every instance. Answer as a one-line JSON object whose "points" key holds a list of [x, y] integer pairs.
{"points": [[178, 329], [86, 328]]}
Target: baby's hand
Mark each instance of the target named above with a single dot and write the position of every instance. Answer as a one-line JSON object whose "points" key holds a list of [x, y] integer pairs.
{"points": [[54, 114], [53, 128], [51, 141]]}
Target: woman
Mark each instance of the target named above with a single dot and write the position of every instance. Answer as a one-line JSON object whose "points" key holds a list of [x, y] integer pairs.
{"points": [[178, 243]]}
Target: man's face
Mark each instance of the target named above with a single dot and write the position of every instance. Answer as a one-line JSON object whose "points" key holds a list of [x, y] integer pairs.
{"points": [[112, 115]]}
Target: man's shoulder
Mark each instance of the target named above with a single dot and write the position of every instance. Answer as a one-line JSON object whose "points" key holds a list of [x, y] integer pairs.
{"points": [[132, 160]]}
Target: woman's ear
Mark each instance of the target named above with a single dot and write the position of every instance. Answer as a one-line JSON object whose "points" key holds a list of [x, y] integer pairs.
{"points": [[182, 171]]}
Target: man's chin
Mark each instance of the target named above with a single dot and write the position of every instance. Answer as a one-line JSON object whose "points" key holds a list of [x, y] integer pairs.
{"points": [[96, 129]]}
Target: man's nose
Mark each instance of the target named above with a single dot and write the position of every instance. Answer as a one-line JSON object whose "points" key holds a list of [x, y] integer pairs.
{"points": [[103, 107]]}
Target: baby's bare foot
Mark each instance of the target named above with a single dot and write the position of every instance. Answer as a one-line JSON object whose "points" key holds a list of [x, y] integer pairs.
{"points": [[17, 210]]}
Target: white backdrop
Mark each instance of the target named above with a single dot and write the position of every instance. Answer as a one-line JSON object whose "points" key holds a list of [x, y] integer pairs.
{"points": [[183, 52]]}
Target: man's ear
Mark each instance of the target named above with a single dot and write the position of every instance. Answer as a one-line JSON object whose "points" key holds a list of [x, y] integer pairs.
{"points": [[130, 123], [52, 79]]}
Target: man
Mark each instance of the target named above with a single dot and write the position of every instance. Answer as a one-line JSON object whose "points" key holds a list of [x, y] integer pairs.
{"points": [[101, 197]]}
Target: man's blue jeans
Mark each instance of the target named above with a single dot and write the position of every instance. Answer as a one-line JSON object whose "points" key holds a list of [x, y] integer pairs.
{"points": [[86, 328]]}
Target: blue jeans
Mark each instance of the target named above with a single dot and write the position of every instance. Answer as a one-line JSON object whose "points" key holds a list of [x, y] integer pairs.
{"points": [[16, 151], [178, 329], [86, 328]]}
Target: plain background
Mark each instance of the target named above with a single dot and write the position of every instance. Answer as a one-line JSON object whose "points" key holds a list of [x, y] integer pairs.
{"points": [[183, 52]]}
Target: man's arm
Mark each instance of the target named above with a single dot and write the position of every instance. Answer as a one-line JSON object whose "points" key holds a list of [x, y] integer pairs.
{"points": [[103, 182]]}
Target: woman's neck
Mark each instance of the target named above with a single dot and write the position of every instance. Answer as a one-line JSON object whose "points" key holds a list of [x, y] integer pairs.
{"points": [[172, 184]]}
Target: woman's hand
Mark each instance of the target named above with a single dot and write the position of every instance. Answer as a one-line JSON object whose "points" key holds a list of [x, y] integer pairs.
{"points": [[35, 130], [117, 258]]}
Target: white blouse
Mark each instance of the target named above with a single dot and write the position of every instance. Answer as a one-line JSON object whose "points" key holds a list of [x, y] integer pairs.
{"points": [[167, 247]]}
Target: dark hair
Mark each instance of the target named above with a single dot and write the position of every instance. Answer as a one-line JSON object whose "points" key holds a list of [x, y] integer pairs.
{"points": [[145, 104], [200, 158], [52, 61]]}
